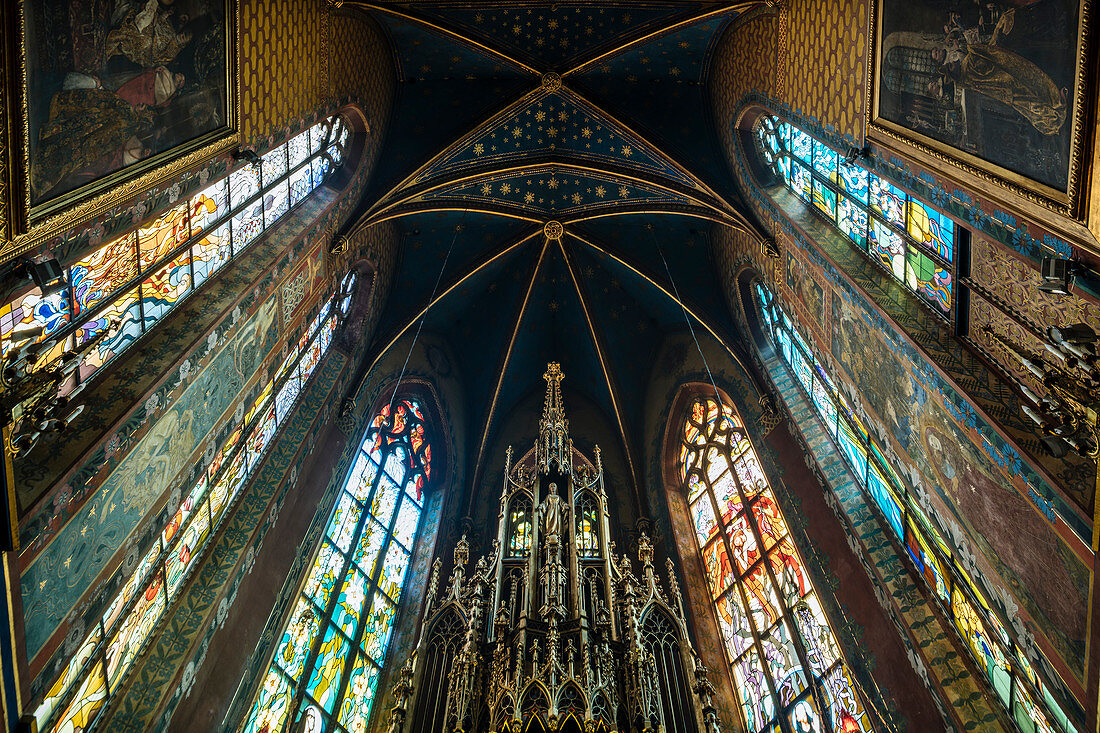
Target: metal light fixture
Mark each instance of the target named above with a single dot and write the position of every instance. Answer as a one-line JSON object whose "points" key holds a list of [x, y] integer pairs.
{"points": [[1066, 417], [1057, 275]]}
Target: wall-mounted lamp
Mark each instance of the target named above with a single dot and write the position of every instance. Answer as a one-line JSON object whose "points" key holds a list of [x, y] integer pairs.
{"points": [[47, 274], [1057, 275], [855, 154], [247, 155]]}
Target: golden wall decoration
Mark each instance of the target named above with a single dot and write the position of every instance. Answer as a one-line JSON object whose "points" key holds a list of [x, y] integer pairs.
{"points": [[133, 96]]}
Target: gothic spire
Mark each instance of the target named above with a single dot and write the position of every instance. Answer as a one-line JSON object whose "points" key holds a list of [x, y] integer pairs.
{"points": [[553, 442]]}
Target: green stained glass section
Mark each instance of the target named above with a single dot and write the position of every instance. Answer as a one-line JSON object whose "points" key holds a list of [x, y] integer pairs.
{"points": [[350, 602], [324, 574], [378, 628], [393, 571], [370, 543], [385, 499], [297, 639], [342, 526], [362, 682], [325, 678]]}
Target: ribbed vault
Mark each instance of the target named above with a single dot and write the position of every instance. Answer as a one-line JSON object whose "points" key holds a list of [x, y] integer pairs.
{"points": [[589, 115]]}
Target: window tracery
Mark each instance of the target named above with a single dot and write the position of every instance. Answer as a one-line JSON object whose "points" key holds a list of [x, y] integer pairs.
{"points": [[353, 588], [1004, 663], [908, 238], [787, 668]]}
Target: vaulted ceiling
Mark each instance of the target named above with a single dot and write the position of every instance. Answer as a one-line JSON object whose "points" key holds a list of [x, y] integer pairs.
{"points": [[591, 115]]}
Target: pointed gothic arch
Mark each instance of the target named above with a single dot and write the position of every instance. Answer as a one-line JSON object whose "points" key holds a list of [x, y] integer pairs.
{"points": [[761, 602]]}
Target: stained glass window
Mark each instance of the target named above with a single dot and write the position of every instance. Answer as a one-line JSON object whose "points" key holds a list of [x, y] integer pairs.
{"points": [[909, 238], [587, 517], [1025, 695], [110, 648], [330, 663], [760, 586], [123, 288], [519, 527]]}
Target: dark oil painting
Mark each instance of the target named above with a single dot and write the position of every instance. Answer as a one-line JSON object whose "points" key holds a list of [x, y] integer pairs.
{"points": [[114, 82], [992, 78]]}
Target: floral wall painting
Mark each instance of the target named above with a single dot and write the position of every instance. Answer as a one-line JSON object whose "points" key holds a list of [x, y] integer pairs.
{"points": [[116, 88], [993, 84]]}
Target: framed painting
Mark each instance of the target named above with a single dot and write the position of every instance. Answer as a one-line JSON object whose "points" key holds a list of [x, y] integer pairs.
{"points": [[995, 87], [118, 96]]}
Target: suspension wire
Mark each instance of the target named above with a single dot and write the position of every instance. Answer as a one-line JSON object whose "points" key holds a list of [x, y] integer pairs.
{"points": [[424, 316], [683, 309]]}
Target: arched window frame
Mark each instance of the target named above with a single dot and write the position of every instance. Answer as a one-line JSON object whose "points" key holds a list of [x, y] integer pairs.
{"points": [[959, 596], [109, 298], [704, 461], [916, 243], [340, 587], [99, 667]]}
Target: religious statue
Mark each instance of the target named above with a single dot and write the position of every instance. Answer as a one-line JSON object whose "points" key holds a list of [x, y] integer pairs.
{"points": [[551, 511]]}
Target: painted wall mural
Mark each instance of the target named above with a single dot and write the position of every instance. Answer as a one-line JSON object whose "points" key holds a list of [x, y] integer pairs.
{"points": [[980, 501], [54, 581], [133, 79], [994, 80]]}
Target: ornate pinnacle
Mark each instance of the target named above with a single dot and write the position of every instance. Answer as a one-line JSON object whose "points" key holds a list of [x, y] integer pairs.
{"points": [[553, 443]]}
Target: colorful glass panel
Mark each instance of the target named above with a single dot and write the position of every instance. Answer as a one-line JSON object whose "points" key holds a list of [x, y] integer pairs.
{"points": [[273, 165], [103, 272], [161, 290], [349, 604], [247, 225], [244, 183], [393, 571], [771, 624], [931, 229], [396, 440], [370, 544], [377, 631], [408, 518], [855, 182], [519, 539], [294, 647], [702, 516], [157, 240], [324, 574], [824, 198], [801, 181], [90, 697], [272, 704], [888, 201], [929, 280], [187, 549], [276, 202], [852, 220], [209, 206], [356, 707], [324, 680]]}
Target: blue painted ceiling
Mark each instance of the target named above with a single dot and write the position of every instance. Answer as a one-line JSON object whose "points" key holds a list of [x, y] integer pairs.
{"points": [[510, 115]]}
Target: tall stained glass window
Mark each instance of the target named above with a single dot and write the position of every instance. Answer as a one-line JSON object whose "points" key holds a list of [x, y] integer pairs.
{"points": [[911, 240], [787, 667], [118, 292], [1003, 662], [77, 697], [328, 661]]}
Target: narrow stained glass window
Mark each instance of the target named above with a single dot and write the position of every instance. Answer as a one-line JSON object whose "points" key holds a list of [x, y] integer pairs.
{"points": [[906, 236], [963, 603], [333, 649], [782, 653], [122, 289]]}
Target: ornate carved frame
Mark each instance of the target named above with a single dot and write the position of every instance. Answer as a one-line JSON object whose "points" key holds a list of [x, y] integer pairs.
{"points": [[986, 177], [23, 226]]}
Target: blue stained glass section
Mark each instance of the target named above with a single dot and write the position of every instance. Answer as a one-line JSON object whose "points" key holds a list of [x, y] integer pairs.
{"points": [[855, 182], [888, 201], [802, 145], [825, 160]]}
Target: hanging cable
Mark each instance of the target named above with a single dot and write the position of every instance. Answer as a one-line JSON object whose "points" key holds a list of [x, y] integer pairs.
{"points": [[424, 316], [683, 309]]}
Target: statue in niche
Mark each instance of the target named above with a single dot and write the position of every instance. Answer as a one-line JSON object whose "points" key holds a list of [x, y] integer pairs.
{"points": [[551, 511]]}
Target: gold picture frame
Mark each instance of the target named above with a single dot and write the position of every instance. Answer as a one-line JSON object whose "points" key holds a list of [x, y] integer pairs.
{"points": [[981, 174], [28, 222]]}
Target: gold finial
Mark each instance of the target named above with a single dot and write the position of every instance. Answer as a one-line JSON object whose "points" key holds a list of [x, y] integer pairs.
{"points": [[553, 443]]}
